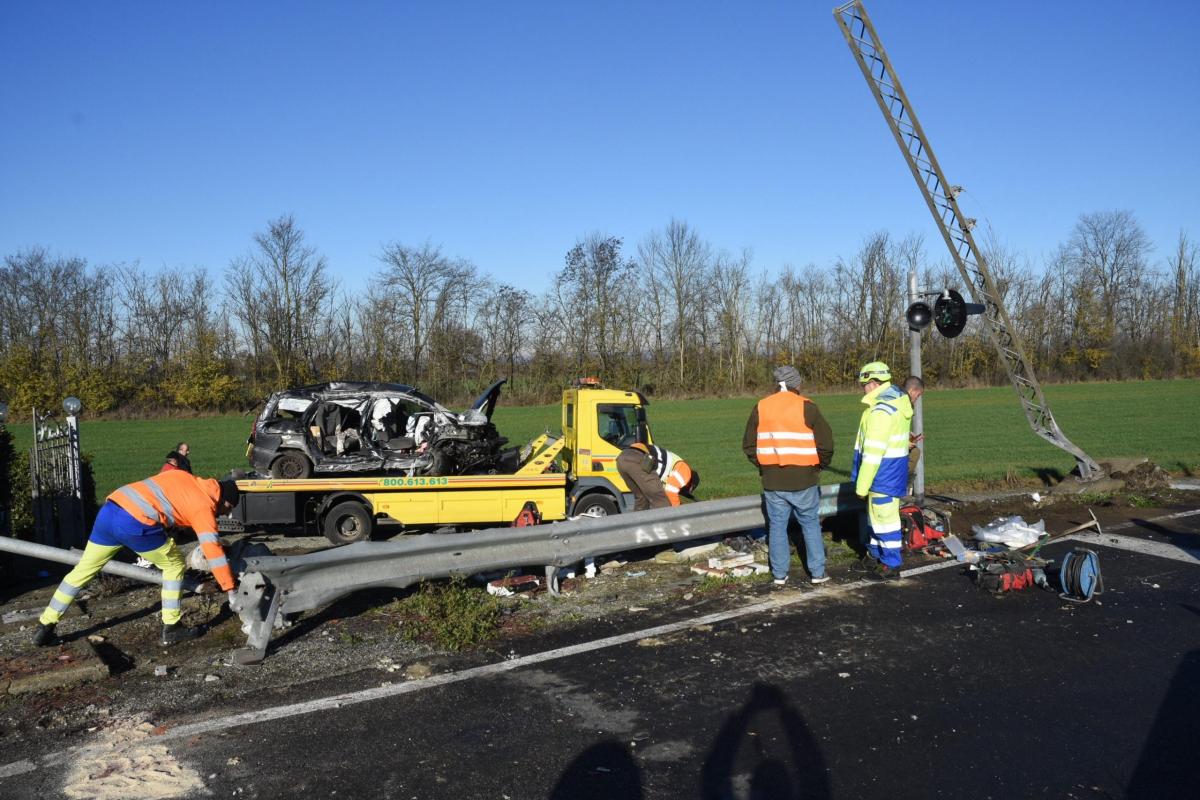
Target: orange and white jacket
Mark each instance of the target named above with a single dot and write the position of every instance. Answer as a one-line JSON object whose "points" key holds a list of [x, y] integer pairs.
{"points": [[178, 498]]}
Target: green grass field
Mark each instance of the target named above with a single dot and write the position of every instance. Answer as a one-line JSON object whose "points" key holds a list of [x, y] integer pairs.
{"points": [[974, 437]]}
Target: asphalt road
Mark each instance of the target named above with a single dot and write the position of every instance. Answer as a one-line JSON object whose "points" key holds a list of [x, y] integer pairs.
{"points": [[927, 687]]}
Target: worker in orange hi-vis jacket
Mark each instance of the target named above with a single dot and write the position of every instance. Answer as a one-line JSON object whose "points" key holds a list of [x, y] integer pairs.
{"points": [[677, 476], [134, 516]]}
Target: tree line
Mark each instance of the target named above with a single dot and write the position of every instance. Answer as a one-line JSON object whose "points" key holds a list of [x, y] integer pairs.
{"points": [[672, 311]]}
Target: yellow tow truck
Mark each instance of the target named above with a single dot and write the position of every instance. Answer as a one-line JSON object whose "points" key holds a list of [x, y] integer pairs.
{"points": [[563, 475]]}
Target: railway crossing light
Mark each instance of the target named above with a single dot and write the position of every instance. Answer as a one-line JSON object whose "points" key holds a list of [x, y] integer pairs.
{"points": [[919, 316], [950, 313]]}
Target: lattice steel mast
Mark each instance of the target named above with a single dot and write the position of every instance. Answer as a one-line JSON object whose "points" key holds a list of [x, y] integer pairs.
{"points": [[941, 196]]}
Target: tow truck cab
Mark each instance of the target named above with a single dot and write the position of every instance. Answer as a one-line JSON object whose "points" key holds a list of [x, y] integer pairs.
{"points": [[597, 424]]}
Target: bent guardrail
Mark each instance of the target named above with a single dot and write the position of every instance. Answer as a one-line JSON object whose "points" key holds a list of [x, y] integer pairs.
{"points": [[58, 554], [273, 586]]}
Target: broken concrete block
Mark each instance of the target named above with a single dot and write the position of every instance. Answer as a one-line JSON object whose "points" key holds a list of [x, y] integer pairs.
{"points": [[704, 569], [733, 560], [682, 555], [51, 669]]}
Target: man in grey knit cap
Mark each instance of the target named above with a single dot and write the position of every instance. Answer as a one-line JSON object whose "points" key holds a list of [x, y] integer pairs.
{"points": [[790, 443]]}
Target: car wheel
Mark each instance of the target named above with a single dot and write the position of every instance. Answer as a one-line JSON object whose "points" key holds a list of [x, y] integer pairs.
{"points": [[596, 505], [291, 466], [347, 523]]}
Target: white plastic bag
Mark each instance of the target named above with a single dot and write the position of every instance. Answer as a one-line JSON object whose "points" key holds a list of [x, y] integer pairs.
{"points": [[1010, 531]]}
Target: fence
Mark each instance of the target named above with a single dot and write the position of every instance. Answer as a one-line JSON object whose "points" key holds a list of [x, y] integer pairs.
{"points": [[56, 479]]}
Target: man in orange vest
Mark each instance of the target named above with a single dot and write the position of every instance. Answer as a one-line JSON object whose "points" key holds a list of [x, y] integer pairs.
{"points": [[134, 516], [790, 443]]}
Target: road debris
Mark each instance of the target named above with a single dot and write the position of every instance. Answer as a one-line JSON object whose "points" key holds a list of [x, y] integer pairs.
{"points": [[516, 584]]}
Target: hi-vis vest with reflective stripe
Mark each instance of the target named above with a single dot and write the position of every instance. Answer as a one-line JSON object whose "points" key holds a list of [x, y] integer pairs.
{"points": [[672, 470], [178, 498], [881, 447], [784, 438]]}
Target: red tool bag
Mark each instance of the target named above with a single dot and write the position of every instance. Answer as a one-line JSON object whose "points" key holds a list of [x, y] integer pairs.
{"points": [[1005, 576], [921, 527]]}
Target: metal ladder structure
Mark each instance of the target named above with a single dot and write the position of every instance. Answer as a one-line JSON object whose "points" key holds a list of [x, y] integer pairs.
{"points": [[941, 196]]}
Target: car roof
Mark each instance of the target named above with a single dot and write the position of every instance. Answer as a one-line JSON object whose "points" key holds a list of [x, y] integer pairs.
{"points": [[365, 387]]}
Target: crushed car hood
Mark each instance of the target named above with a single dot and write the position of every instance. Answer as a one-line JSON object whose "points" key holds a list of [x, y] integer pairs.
{"points": [[486, 402]]}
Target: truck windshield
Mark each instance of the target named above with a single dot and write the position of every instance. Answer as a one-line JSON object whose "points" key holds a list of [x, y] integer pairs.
{"points": [[619, 424]]}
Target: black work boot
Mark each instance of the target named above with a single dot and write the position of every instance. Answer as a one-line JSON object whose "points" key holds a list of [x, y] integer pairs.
{"points": [[44, 636], [173, 634], [882, 572]]}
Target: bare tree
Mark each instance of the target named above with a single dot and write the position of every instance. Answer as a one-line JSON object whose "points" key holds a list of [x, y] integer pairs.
{"points": [[504, 319], [731, 286], [279, 295], [419, 282], [1185, 300], [588, 294], [678, 260]]}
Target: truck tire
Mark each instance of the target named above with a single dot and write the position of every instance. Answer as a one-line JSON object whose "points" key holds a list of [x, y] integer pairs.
{"points": [[291, 465], [348, 522], [596, 504]]}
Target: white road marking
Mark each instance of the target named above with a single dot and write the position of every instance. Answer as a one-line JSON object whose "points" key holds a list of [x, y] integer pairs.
{"points": [[1188, 555], [1160, 549], [380, 692]]}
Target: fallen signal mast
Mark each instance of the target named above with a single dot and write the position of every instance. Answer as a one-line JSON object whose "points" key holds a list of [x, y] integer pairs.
{"points": [[941, 197]]}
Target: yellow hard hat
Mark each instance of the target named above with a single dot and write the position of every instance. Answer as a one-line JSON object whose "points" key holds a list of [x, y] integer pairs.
{"points": [[875, 371]]}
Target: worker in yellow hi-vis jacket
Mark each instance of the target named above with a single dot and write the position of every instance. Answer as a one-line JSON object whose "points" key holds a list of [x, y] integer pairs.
{"points": [[134, 516], [880, 467]]}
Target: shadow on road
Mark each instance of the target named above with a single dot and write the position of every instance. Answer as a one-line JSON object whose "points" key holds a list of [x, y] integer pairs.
{"points": [[605, 771], [1186, 541], [798, 771], [1168, 766]]}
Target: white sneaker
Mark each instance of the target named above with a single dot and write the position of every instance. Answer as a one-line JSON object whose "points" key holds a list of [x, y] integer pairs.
{"points": [[820, 580], [781, 581]]}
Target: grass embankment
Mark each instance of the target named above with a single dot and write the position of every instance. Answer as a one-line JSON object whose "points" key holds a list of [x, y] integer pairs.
{"points": [[975, 437]]}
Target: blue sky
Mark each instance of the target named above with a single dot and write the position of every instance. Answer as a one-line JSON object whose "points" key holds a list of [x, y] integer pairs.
{"points": [[168, 133]]}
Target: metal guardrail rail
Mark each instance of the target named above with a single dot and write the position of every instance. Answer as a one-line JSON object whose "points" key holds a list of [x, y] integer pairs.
{"points": [[277, 585], [47, 553]]}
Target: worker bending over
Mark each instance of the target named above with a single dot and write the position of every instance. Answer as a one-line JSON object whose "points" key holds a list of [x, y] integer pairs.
{"points": [[134, 516], [655, 476], [677, 476]]}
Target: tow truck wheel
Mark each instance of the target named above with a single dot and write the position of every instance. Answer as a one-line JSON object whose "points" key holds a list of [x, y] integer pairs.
{"points": [[596, 505], [347, 523], [291, 465]]}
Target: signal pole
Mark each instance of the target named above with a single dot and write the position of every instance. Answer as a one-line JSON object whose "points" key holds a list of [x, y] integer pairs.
{"points": [[914, 366]]}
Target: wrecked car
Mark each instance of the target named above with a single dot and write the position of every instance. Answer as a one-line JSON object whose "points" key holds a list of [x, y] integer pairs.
{"points": [[354, 427]]}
